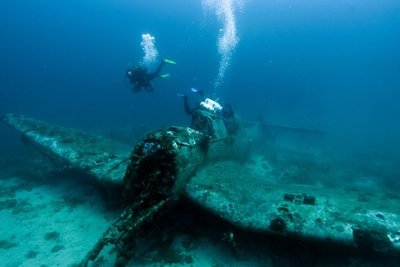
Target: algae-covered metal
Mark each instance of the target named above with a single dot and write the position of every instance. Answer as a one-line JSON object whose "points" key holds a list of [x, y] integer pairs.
{"points": [[207, 169], [103, 158], [313, 212]]}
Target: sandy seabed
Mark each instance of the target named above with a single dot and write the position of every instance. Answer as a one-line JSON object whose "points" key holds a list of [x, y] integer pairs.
{"points": [[52, 216]]}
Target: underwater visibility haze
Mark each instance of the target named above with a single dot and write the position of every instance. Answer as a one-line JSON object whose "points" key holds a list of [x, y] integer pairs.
{"points": [[326, 67], [330, 64]]}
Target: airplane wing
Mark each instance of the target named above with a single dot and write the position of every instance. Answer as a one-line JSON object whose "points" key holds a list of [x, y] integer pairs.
{"points": [[105, 159], [239, 195], [335, 215]]}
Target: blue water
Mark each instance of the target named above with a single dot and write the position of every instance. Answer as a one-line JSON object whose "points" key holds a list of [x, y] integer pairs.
{"points": [[331, 65]]}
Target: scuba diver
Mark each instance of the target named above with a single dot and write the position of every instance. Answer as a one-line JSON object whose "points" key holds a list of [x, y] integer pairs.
{"points": [[211, 118], [140, 77]]}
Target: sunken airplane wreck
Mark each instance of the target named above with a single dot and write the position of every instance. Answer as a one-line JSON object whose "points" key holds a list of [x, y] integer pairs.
{"points": [[168, 164]]}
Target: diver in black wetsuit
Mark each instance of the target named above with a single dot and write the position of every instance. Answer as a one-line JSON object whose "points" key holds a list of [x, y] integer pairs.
{"points": [[140, 77], [202, 114]]}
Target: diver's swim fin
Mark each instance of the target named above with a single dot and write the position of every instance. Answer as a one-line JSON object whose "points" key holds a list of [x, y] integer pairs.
{"points": [[164, 75], [169, 61]]}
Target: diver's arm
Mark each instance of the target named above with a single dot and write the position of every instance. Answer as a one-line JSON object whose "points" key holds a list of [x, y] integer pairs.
{"points": [[151, 76], [186, 105]]}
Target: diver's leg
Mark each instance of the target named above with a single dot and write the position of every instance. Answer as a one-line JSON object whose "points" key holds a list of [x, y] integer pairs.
{"points": [[149, 88], [157, 71], [136, 88]]}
